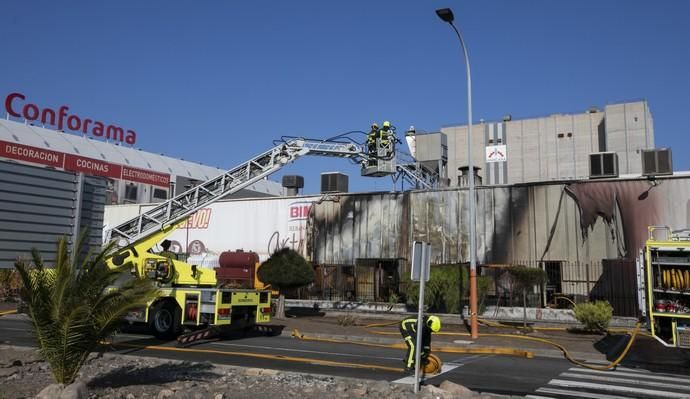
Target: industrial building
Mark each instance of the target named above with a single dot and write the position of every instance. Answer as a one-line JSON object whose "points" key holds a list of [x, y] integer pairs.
{"points": [[554, 147]]}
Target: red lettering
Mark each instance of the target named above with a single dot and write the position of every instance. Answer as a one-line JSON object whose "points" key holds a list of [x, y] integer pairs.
{"points": [[62, 114], [45, 113], [34, 112], [86, 125], [73, 126], [131, 137], [97, 129], [115, 133], [8, 104], [64, 121]]}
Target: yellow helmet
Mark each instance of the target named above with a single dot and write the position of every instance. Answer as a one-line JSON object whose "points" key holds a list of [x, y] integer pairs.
{"points": [[434, 323], [386, 124]]}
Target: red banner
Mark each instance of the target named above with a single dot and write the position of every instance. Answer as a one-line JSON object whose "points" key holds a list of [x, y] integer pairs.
{"points": [[76, 163], [31, 154], [145, 176]]}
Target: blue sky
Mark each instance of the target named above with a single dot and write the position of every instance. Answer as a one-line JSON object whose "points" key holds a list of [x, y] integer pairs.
{"points": [[217, 82]]}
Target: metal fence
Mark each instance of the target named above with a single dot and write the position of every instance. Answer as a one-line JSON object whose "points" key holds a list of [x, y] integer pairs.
{"points": [[378, 280]]}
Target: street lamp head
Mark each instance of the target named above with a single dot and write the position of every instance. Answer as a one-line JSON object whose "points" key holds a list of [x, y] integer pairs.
{"points": [[445, 14]]}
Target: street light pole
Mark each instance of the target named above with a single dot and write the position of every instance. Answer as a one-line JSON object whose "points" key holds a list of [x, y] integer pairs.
{"points": [[447, 16]]}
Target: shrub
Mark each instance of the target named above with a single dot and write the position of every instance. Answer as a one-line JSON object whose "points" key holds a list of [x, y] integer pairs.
{"points": [[595, 316], [347, 320], [285, 269], [9, 284], [446, 289]]}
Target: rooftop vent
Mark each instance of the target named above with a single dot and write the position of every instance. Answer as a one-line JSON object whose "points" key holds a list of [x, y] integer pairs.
{"points": [[603, 164], [293, 183], [657, 162], [334, 182]]}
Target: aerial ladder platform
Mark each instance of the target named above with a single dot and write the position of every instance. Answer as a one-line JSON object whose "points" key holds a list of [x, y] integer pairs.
{"points": [[168, 213]]}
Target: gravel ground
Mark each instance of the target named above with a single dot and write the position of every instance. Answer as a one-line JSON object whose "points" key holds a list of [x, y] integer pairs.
{"points": [[23, 375]]}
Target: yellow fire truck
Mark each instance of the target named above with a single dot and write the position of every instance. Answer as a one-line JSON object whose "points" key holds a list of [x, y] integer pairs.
{"points": [[190, 295], [664, 285]]}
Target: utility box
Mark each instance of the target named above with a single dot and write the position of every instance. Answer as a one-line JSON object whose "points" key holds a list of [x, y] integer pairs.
{"points": [[334, 182], [657, 162], [431, 148], [603, 164]]}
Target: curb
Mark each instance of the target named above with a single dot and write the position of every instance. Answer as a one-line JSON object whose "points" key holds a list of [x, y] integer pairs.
{"points": [[549, 353]]}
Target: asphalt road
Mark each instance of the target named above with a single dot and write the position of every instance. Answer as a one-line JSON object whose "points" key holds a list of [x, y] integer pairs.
{"points": [[539, 377]]}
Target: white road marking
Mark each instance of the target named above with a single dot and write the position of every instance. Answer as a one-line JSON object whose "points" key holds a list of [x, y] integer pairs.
{"points": [[626, 381], [617, 388], [15, 329], [634, 375], [578, 394], [444, 369]]}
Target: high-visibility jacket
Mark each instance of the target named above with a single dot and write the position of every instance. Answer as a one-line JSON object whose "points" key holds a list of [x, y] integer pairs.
{"points": [[408, 327], [372, 136]]}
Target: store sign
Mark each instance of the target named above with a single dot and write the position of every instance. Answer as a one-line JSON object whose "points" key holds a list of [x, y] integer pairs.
{"points": [[17, 106], [32, 154], [145, 176], [92, 167], [496, 153], [77, 163]]}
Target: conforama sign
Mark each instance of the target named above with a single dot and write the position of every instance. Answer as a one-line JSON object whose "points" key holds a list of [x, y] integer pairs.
{"points": [[17, 106]]}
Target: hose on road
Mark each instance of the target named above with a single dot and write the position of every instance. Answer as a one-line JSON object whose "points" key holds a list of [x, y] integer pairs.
{"points": [[566, 353]]}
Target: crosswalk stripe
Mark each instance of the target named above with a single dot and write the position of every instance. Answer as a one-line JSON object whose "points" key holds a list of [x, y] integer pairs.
{"points": [[579, 394], [636, 375], [626, 381], [538, 397], [617, 388]]}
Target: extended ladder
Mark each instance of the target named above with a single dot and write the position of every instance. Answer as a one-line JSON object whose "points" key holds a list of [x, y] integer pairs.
{"points": [[183, 205]]}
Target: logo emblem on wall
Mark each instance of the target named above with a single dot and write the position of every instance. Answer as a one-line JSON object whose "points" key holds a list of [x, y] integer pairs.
{"points": [[496, 153]]}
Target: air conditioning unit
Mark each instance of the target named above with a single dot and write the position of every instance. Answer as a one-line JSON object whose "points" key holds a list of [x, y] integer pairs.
{"points": [[603, 164], [657, 162], [334, 182]]}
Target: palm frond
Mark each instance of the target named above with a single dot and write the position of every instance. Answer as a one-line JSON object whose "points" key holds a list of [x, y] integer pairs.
{"points": [[72, 307]]}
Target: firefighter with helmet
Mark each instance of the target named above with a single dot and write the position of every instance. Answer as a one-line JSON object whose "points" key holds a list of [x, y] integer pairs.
{"points": [[408, 330], [371, 138], [385, 134]]}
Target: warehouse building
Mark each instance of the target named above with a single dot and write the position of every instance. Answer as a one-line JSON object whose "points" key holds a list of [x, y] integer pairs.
{"points": [[132, 175]]}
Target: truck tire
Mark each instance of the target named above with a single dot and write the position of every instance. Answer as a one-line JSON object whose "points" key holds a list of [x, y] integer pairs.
{"points": [[164, 319]]}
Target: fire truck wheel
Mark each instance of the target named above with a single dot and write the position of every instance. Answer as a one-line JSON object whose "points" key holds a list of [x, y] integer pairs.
{"points": [[165, 320]]}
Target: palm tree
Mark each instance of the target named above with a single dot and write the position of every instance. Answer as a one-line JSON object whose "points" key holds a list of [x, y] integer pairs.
{"points": [[72, 307]]}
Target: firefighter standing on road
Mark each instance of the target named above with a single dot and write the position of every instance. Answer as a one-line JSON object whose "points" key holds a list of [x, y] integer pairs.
{"points": [[408, 330]]}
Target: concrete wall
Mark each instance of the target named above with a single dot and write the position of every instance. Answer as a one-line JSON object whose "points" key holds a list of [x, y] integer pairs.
{"points": [[556, 147]]}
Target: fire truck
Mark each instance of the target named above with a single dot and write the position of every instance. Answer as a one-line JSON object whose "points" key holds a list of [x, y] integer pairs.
{"points": [[192, 297], [664, 285]]}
